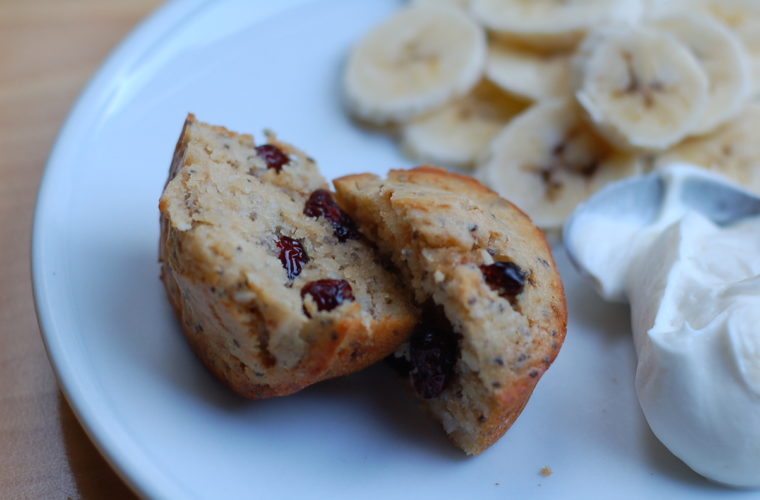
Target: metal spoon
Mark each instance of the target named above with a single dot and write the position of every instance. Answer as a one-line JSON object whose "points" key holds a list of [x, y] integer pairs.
{"points": [[638, 202]]}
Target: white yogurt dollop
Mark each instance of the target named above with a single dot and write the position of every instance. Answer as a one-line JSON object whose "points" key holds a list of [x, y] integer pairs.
{"points": [[694, 290]]}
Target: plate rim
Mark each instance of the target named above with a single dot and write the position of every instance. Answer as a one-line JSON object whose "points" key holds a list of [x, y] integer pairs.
{"points": [[125, 55]]}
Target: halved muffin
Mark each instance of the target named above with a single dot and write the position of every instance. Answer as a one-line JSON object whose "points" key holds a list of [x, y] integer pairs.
{"points": [[274, 285], [494, 307]]}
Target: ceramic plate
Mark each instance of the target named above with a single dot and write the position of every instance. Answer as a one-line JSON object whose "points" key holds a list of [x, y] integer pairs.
{"points": [[168, 427]]}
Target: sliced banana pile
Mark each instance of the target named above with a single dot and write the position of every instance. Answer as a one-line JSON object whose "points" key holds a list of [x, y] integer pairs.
{"points": [[550, 158], [548, 101]]}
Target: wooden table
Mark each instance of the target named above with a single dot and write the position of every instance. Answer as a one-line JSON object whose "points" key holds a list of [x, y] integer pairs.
{"points": [[48, 51]]}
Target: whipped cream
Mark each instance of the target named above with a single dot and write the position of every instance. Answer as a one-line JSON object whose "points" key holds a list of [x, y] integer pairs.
{"points": [[694, 290]]}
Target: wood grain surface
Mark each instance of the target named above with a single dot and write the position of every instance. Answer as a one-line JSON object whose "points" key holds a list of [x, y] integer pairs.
{"points": [[48, 51]]}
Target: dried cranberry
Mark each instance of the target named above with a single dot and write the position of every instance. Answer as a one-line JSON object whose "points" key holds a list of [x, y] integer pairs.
{"points": [[400, 364], [506, 278], [321, 203], [292, 255], [328, 294], [273, 156], [433, 353]]}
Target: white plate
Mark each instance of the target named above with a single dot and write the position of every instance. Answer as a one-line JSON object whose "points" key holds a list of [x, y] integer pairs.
{"points": [[161, 420]]}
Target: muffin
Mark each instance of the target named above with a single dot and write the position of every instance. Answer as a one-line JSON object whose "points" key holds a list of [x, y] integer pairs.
{"points": [[274, 285], [494, 313]]}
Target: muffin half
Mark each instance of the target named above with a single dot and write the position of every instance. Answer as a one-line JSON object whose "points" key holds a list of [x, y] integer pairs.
{"points": [[273, 283], [494, 308]]}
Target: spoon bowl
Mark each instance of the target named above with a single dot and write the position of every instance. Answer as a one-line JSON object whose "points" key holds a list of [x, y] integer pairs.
{"points": [[625, 207]]}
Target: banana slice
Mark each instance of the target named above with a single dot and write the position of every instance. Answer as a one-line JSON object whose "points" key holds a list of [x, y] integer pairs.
{"points": [[552, 23], [549, 159], [724, 60], [417, 60], [742, 17], [732, 150], [642, 88], [530, 74], [458, 133]]}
